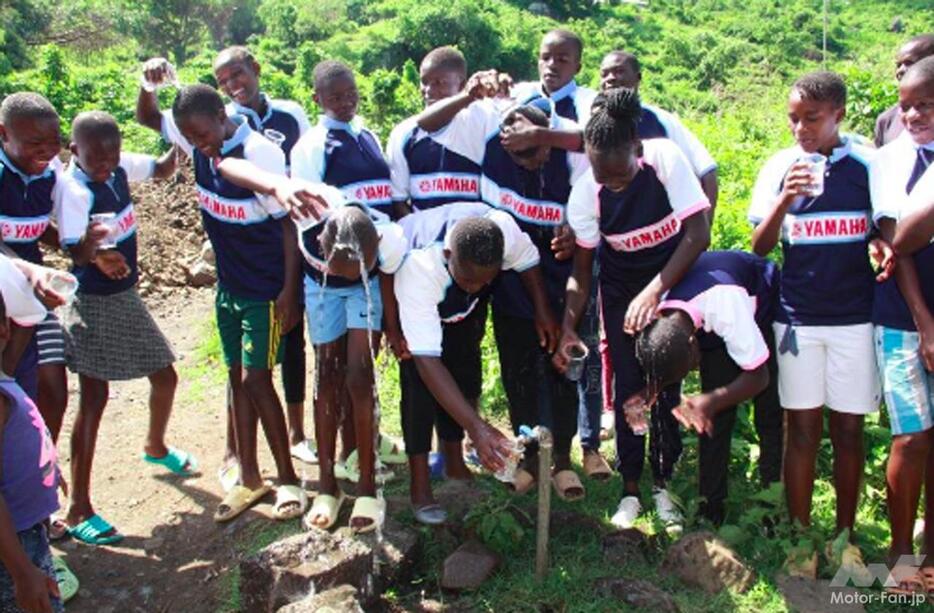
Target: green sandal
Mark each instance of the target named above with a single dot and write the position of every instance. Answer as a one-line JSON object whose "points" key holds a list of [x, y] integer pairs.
{"points": [[92, 531], [67, 581], [176, 461]]}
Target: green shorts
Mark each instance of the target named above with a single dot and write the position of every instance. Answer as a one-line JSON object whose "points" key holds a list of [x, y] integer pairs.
{"points": [[249, 331]]}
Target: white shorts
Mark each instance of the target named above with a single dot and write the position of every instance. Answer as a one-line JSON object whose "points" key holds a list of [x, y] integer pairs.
{"points": [[835, 366]]}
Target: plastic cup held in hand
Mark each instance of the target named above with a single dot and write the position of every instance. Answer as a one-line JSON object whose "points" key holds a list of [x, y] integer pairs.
{"points": [[576, 355], [107, 219], [507, 474], [170, 78], [63, 284], [818, 165]]}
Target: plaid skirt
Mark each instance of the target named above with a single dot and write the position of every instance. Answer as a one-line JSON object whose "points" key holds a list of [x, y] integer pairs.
{"points": [[113, 338]]}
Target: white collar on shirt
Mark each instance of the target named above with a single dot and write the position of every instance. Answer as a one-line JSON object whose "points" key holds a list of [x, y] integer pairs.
{"points": [[565, 92], [354, 127]]}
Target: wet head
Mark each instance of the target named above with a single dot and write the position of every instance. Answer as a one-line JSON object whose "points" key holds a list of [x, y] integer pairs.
{"points": [[237, 73], [336, 90], [199, 113], [475, 255], [95, 144], [620, 69], [29, 131], [559, 59], [349, 242], [913, 52], [816, 107], [916, 100], [667, 349], [443, 74]]}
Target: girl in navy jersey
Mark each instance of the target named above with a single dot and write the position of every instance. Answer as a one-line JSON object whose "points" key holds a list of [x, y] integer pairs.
{"points": [[643, 207], [823, 326]]}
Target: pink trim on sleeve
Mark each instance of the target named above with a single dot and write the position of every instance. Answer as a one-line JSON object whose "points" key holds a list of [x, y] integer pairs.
{"points": [[759, 361], [696, 316], [703, 205]]}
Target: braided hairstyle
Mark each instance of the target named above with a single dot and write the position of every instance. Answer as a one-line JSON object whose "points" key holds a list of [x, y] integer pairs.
{"points": [[614, 120]]}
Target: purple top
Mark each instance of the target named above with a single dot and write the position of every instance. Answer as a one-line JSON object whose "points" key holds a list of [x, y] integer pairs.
{"points": [[30, 471]]}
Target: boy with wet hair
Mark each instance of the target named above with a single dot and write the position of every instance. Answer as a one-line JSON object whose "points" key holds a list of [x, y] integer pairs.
{"points": [[30, 141], [283, 122], [717, 319], [902, 183], [456, 251], [889, 123], [339, 150], [257, 294], [424, 173]]}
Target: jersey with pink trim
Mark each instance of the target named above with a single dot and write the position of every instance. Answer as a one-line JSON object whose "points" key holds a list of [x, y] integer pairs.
{"points": [[827, 279], [729, 295], [637, 229]]}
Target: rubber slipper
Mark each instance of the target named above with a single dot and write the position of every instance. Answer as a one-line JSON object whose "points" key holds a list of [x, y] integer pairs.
{"points": [[238, 500], [176, 461], [326, 506], [229, 475], [92, 530], [67, 581], [391, 451], [305, 452], [287, 496], [564, 482], [370, 508], [596, 467], [58, 529], [430, 514], [349, 470], [522, 482]]}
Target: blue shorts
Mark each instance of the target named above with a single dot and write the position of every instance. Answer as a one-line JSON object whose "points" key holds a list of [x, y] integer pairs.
{"points": [[906, 385], [332, 311], [35, 543]]}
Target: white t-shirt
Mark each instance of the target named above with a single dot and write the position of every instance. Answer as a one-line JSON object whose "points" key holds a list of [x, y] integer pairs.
{"points": [[22, 306]]}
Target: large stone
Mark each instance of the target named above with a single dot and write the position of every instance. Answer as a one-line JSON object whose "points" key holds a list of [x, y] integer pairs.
{"points": [[636, 593], [341, 599], [626, 545], [312, 561], [809, 596], [703, 560], [201, 274], [468, 567]]}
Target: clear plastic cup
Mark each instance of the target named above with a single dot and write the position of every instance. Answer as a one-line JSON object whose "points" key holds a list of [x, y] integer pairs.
{"points": [[818, 164], [107, 219], [577, 355], [507, 474], [636, 412], [275, 136], [171, 78], [63, 284]]}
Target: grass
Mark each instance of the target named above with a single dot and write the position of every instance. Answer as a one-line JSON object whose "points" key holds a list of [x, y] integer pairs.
{"points": [[576, 554]]}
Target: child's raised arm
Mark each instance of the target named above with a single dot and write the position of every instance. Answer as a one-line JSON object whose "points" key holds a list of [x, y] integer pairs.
{"points": [[148, 112], [166, 164], [484, 84]]}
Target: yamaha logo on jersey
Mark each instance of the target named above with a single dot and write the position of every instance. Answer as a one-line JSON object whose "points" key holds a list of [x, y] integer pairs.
{"points": [[646, 237], [826, 228], [23, 229]]}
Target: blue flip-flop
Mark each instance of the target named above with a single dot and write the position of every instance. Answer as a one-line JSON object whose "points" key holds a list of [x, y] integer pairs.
{"points": [[92, 529], [175, 460]]}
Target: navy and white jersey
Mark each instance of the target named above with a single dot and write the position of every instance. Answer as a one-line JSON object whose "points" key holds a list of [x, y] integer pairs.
{"points": [[571, 101], [26, 206], [536, 199], [889, 175], [283, 123], [425, 172], [347, 156], [658, 123], [637, 229], [729, 295], [82, 197], [245, 228], [427, 294], [391, 250], [827, 279]]}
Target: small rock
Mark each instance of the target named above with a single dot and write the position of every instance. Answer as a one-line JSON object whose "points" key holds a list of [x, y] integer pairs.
{"points": [[624, 545], [705, 561], [341, 599], [201, 274], [898, 26], [207, 254], [808, 596], [636, 593], [468, 567]]}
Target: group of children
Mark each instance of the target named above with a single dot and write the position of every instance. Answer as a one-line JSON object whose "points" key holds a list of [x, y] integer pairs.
{"points": [[579, 220]]}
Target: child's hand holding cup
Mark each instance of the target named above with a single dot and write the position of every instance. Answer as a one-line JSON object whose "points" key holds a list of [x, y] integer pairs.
{"points": [[108, 239], [157, 74], [817, 165]]}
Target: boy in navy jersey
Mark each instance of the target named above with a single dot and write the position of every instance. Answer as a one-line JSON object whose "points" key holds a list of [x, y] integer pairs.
{"points": [[282, 121], [339, 150], [533, 185], [257, 293], [424, 173], [718, 318], [29, 131], [457, 250], [902, 182], [889, 123], [823, 326]]}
